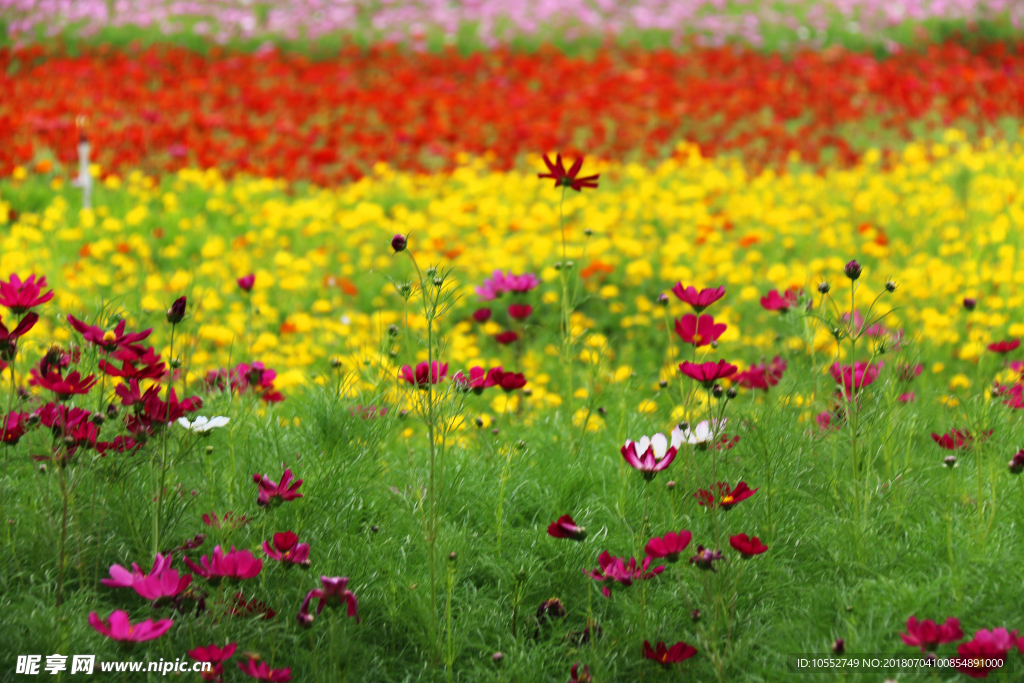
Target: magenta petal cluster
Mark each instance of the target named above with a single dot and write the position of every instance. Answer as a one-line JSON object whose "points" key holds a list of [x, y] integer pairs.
{"points": [[271, 491], [501, 282], [650, 457], [669, 546], [425, 374], [261, 671], [119, 627], [333, 591], [698, 300], [162, 583], [616, 570], [855, 377], [699, 331], [287, 548], [237, 564], [928, 635]]}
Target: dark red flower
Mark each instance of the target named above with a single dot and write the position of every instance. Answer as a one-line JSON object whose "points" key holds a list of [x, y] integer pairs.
{"points": [[20, 296], [506, 337], [508, 381], [853, 270], [762, 376], [667, 656], [970, 303], [148, 366], [246, 282], [1017, 465], [9, 339], [956, 439], [65, 387], [708, 373], [14, 427], [615, 570], [477, 381], [580, 676], [856, 377], [227, 521], [928, 635], [176, 313], [986, 652], [669, 546], [705, 558], [398, 243], [482, 315], [727, 497], [1004, 347], [564, 527], [216, 655], [746, 545], [425, 374], [110, 340], [563, 178], [519, 311], [698, 300], [261, 671], [270, 491], [699, 331], [778, 302]]}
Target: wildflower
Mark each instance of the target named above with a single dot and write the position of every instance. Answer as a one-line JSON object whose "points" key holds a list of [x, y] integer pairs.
{"points": [[333, 592], [162, 583], [477, 381], [1017, 462], [506, 337], [970, 304], [65, 387], [853, 270], [955, 440], [482, 315], [134, 366], [247, 282], [14, 427], [287, 549], [949, 461], [704, 433], [176, 313], [747, 546], [578, 676], [508, 381], [110, 340], [727, 497], [216, 655], [705, 558], [398, 243], [699, 331], [425, 374], [890, 286], [122, 578], [520, 311], [240, 607], [501, 282], [669, 546], [552, 608], [698, 300], [262, 671], [708, 373], [906, 397], [985, 652], [824, 287], [203, 424], [19, 296], [227, 521], [563, 178], [762, 376], [652, 455], [270, 491], [9, 339], [839, 647], [564, 527], [234, 565], [497, 658], [778, 302], [669, 655], [614, 570], [1004, 347], [118, 627], [855, 377], [928, 635]]}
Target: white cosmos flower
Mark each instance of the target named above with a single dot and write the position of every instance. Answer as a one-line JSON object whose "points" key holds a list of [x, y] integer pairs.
{"points": [[659, 442], [203, 424], [704, 433]]}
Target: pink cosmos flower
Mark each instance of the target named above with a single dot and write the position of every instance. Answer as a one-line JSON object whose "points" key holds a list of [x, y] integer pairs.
{"points": [[271, 492], [162, 583], [727, 497], [476, 382], [9, 339], [507, 381], [119, 627], [334, 592], [110, 340], [64, 387], [747, 546], [424, 374], [19, 296], [699, 331], [652, 455], [122, 578], [615, 570], [482, 315], [778, 302], [1004, 347], [986, 652], [706, 558], [698, 300], [564, 527], [762, 375], [216, 655], [906, 397], [928, 635], [857, 377], [499, 283], [579, 675], [238, 564], [708, 373], [669, 546], [520, 311], [956, 439], [287, 549], [262, 671], [247, 282]]}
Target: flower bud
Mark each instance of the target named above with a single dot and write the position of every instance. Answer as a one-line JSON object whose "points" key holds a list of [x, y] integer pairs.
{"points": [[853, 270], [175, 363], [452, 556], [335, 363], [670, 485], [569, 265], [209, 450], [1017, 463], [479, 422], [717, 391], [392, 331], [695, 616], [497, 658], [398, 243], [970, 304], [663, 299], [98, 419], [949, 461], [683, 426], [602, 411], [431, 271], [890, 286], [731, 393], [839, 647], [663, 384], [495, 431], [520, 445], [176, 312], [558, 266], [246, 283], [438, 281], [588, 232], [824, 287], [374, 528]]}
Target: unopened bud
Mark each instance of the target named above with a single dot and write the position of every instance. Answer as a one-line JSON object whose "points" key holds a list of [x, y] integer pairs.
{"points": [[663, 384], [398, 243], [452, 556], [731, 393], [663, 299], [949, 461], [209, 450], [175, 363], [890, 286], [671, 484], [393, 330], [717, 391], [824, 287]]}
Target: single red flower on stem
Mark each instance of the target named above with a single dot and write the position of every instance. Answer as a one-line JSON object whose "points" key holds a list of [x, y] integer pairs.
{"points": [[667, 656], [9, 339], [580, 675], [271, 491], [669, 546], [778, 302], [20, 296], [928, 635], [855, 377], [216, 655], [563, 178], [287, 548], [956, 439], [334, 592], [698, 300], [65, 387], [564, 527], [727, 497], [762, 375], [699, 331], [477, 381], [110, 340], [246, 282], [708, 373], [482, 315], [747, 546], [1004, 347], [506, 337], [508, 381]]}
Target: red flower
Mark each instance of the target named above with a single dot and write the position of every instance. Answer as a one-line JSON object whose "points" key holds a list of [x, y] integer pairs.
{"points": [[985, 652], [65, 387], [708, 373], [149, 366], [856, 377], [579, 676], [699, 331], [928, 635], [669, 655], [762, 376], [563, 178], [262, 671], [425, 375], [727, 497], [706, 558], [519, 311], [20, 296], [216, 655], [746, 545], [399, 242], [1004, 347], [506, 337], [777, 302], [669, 546], [956, 439], [614, 570], [270, 491], [333, 591], [698, 300], [14, 427], [564, 527], [110, 340], [287, 548], [236, 564], [508, 381], [482, 315], [477, 381], [9, 340], [247, 282]]}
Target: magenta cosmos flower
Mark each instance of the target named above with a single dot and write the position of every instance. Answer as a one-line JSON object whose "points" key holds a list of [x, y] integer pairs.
{"points": [[237, 564], [928, 635], [708, 373], [699, 331], [122, 578], [501, 282], [246, 282], [564, 527], [20, 296], [762, 375], [507, 381], [580, 675], [482, 315], [334, 592], [216, 656], [425, 374], [118, 627], [65, 387], [652, 455], [727, 497], [287, 549], [261, 671], [698, 300], [615, 570], [272, 492], [520, 311], [855, 377], [779, 302], [706, 558], [747, 546], [9, 338], [985, 652], [667, 656], [506, 337], [669, 546], [161, 583], [477, 381], [955, 440], [399, 243], [1003, 347], [110, 340], [563, 178]]}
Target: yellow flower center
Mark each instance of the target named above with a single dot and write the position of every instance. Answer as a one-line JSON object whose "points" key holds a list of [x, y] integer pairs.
{"points": [[698, 339], [109, 337], [726, 500]]}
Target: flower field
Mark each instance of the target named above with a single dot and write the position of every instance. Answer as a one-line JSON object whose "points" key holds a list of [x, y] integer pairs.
{"points": [[595, 362]]}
